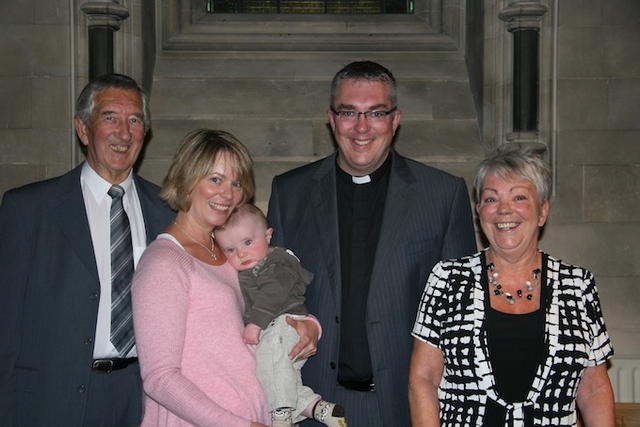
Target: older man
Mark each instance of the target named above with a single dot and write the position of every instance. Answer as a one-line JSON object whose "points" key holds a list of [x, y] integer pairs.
{"points": [[67, 250]]}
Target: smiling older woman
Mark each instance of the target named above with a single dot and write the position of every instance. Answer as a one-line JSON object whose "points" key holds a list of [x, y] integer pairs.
{"points": [[510, 336]]}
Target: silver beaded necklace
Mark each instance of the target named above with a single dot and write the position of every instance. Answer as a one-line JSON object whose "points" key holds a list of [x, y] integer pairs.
{"points": [[497, 287], [211, 251]]}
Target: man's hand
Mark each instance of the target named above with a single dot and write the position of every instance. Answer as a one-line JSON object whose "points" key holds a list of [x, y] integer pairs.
{"points": [[309, 335]]}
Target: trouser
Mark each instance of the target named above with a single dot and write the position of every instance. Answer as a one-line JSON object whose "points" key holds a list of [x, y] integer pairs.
{"points": [[280, 376], [115, 399]]}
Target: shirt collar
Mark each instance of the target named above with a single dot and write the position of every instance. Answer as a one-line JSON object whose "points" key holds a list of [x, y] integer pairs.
{"points": [[99, 186], [375, 176]]}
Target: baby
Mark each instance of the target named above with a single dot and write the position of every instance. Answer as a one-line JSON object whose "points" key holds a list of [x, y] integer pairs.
{"points": [[273, 284]]}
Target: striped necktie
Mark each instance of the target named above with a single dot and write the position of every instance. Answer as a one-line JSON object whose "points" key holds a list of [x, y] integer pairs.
{"points": [[121, 274]]}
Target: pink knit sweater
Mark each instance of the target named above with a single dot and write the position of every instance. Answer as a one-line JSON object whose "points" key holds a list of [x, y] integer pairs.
{"points": [[195, 368]]}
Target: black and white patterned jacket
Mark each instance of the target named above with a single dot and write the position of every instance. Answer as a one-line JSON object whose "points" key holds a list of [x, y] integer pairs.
{"points": [[451, 316]]}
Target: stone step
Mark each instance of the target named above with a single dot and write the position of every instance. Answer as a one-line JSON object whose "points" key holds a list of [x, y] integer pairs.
{"points": [[276, 105], [305, 65]]}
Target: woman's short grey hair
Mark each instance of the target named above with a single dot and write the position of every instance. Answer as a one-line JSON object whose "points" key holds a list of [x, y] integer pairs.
{"points": [[86, 101], [364, 71], [193, 161], [509, 162]]}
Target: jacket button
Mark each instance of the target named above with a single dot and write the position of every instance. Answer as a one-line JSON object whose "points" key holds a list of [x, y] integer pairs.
{"points": [[88, 341], [337, 320], [82, 389], [93, 296], [332, 365]]}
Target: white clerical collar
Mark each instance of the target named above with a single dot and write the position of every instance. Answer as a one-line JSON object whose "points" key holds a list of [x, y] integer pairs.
{"points": [[361, 179]]}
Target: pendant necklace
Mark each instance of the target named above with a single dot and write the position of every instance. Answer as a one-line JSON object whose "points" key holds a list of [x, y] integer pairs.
{"points": [[211, 251], [497, 291]]}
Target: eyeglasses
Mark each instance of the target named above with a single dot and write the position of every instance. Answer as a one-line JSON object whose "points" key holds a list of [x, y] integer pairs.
{"points": [[370, 116]]}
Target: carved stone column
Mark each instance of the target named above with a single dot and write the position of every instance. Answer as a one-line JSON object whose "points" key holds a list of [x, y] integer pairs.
{"points": [[104, 18], [523, 20]]}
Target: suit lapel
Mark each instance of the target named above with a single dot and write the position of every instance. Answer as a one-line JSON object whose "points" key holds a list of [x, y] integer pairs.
{"points": [[398, 204], [325, 208], [152, 209], [70, 213]]}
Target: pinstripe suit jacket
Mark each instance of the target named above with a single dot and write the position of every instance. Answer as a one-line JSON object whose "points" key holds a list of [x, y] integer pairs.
{"points": [[427, 218], [49, 292]]}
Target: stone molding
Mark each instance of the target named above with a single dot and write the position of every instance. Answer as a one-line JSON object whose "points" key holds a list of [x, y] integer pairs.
{"points": [[104, 14], [436, 25], [541, 16], [523, 15]]}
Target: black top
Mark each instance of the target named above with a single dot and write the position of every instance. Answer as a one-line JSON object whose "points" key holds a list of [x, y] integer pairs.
{"points": [[516, 349], [360, 211]]}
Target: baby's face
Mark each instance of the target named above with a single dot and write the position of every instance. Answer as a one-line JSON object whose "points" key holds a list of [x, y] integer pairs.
{"points": [[245, 243]]}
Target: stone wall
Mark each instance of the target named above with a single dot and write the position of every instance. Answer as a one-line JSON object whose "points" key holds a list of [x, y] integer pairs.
{"points": [[43, 45], [595, 216], [37, 97]]}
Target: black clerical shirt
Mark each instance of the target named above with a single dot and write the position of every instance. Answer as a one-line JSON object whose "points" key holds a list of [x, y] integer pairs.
{"points": [[360, 212]]}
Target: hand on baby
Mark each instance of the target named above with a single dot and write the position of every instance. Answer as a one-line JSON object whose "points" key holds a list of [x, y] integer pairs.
{"points": [[251, 334]]}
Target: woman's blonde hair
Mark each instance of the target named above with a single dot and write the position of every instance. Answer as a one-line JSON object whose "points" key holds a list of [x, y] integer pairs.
{"points": [[194, 159]]}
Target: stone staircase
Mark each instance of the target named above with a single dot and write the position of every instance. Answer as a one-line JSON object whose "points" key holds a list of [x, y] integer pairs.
{"points": [[275, 103]]}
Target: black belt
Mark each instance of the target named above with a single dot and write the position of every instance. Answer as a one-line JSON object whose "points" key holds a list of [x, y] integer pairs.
{"points": [[364, 385], [107, 365]]}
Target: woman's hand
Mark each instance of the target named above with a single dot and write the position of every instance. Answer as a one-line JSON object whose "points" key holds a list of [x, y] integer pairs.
{"points": [[309, 334]]}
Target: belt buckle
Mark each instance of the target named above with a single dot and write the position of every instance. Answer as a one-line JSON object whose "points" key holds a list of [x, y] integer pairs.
{"points": [[362, 386], [97, 366], [371, 387]]}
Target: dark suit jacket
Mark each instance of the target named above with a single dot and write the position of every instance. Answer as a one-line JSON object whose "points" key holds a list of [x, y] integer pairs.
{"points": [[427, 218], [49, 298]]}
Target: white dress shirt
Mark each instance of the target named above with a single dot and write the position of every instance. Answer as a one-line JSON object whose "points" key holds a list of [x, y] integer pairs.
{"points": [[98, 207]]}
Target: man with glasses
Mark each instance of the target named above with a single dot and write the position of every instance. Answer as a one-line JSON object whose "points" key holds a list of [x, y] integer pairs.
{"points": [[370, 224]]}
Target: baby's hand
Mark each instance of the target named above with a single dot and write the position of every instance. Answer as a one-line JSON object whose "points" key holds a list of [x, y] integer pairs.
{"points": [[251, 334]]}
